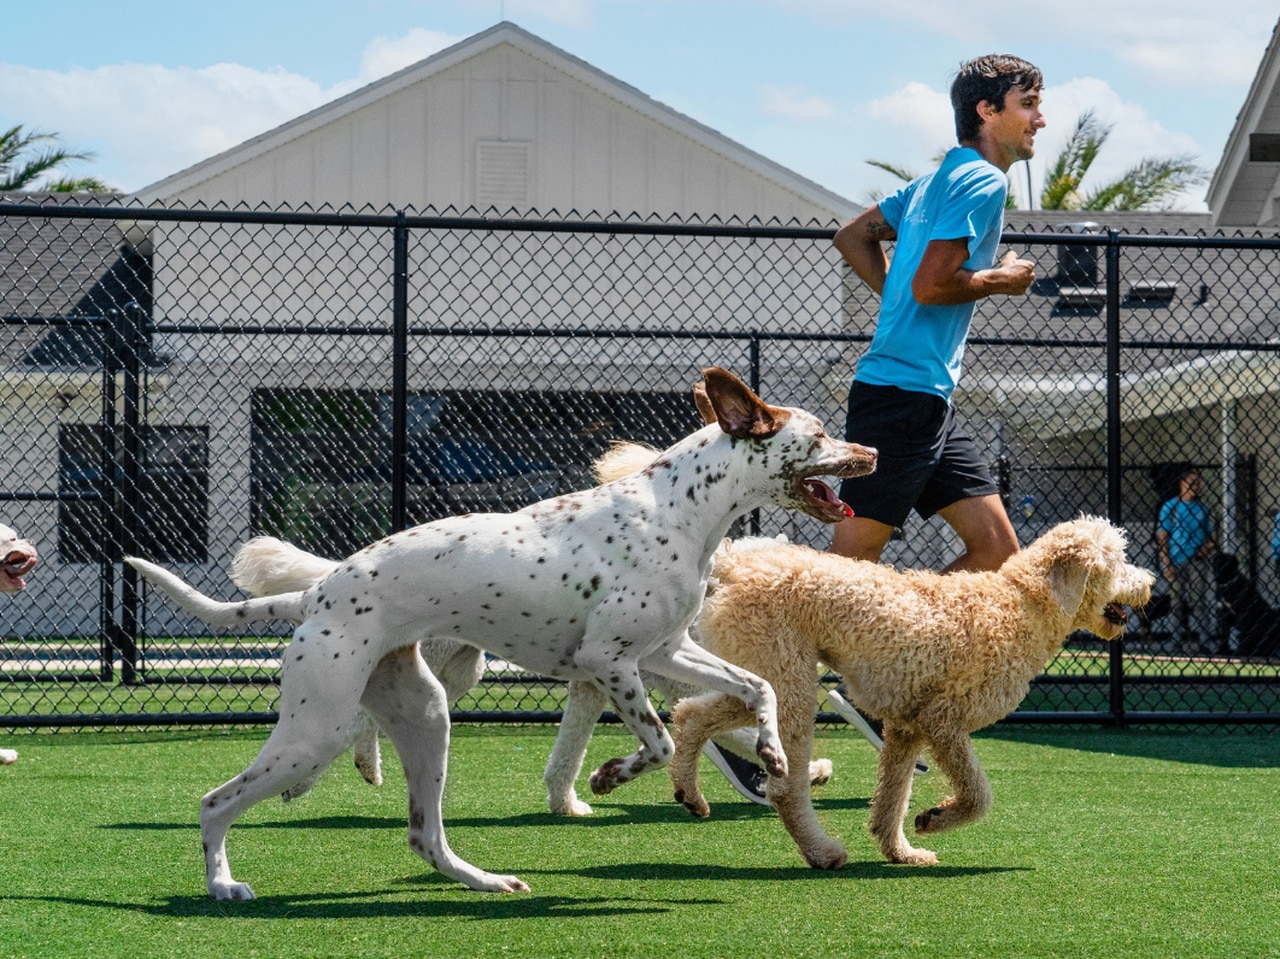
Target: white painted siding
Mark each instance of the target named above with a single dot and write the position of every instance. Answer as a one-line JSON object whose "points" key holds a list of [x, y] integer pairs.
{"points": [[588, 152]]}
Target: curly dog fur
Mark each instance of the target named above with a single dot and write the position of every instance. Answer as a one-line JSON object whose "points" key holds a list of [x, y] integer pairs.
{"points": [[935, 657]]}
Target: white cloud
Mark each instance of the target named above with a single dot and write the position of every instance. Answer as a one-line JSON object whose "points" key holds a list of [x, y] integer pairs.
{"points": [[383, 57], [1181, 43], [148, 121], [919, 111], [1135, 135], [794, 103]]}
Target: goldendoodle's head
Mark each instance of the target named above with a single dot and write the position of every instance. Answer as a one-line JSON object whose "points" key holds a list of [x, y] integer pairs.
{"points": [[1082, 563]]}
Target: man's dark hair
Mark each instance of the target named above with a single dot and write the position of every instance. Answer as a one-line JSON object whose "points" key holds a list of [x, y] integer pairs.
{"points": [[988, 78]]}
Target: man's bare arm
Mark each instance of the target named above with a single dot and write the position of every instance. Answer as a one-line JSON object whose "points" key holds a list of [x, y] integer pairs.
{"points": [[942, 280], [860, 243]]}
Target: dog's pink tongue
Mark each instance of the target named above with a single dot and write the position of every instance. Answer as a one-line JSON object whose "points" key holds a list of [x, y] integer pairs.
{"points": [[822, 491]]}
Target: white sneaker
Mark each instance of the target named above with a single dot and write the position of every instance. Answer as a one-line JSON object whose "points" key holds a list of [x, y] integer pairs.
{"points": [[743, 775]]}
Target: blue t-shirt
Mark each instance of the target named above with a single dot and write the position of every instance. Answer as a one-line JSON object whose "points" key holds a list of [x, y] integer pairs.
{"points": [[918, 347], [1188, 524]]}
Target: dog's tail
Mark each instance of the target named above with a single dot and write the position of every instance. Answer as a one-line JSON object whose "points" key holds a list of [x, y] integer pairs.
{"points": [[266, 566], [285, 606], [623, 459]]}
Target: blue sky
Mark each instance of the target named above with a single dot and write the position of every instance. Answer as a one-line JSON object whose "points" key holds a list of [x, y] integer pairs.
{"points": [[821, 86]]}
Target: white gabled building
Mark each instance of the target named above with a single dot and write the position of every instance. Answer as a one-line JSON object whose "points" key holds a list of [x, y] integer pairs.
{"points": [[500, 125], [504, 121]]}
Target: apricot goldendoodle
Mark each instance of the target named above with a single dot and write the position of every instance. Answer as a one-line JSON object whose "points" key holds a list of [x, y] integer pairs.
{"points": [[934, 657]]}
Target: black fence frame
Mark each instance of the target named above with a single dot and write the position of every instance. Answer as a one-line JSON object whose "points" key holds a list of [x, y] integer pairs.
{"points": [[129, 331]]}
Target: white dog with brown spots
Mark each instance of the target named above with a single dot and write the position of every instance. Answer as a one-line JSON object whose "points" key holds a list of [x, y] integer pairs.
{"points": [[17, 559], [586, 586]]}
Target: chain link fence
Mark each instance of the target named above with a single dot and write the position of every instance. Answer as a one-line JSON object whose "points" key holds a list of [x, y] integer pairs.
{"points": [[178, 380]]}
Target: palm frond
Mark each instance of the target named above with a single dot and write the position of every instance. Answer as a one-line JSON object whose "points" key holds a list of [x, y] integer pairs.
{"points": [[28, 158], [1064, 176], [1149, 184], [902, 173]]}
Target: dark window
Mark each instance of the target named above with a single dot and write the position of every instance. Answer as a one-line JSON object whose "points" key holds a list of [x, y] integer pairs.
{"points": [[322, 467], [171, 524], [1264, 147]]}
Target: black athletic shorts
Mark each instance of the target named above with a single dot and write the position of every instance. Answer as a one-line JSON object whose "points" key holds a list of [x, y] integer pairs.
{"points": [[927, 462]]}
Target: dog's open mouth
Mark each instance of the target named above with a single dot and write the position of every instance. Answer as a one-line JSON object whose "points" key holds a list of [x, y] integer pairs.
{"points": [[1115, 614], [822, 502], [16, 565], [818, 499]]}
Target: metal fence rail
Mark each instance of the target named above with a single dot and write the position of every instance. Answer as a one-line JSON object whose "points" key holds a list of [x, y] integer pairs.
{"points": [[177, 381]]}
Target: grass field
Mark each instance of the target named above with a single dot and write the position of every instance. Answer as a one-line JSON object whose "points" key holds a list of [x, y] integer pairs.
{"points": [[1107, 844]]}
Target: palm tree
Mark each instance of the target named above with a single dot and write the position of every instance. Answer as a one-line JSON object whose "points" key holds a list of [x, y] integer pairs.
{"points": [[28, 160], [1151, 183]]}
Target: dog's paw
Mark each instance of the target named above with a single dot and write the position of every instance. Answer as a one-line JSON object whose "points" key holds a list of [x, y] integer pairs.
{"points": [[370, 769], [820, 771], [231, 890], [773, 759], [695, 802], [569, 805], [605, 779], [910, 856], [8, 757], [492, 882], [828, 855]]}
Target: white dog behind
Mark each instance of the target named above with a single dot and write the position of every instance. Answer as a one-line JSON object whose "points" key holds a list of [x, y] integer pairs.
{"points": [[267, 566]]}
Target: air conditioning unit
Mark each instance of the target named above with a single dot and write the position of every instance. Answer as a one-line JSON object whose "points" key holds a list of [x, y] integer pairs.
{"points": [[1078, 265]]}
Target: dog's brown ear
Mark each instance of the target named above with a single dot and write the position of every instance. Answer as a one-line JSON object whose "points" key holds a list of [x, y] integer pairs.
{"points": [[703, 402], [741, 413]]}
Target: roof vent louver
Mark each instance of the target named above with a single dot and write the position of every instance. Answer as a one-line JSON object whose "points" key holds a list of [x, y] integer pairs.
{"points": [[502, 174], [1152, 292]]}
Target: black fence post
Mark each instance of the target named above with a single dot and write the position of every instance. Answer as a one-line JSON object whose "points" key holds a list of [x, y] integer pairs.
{"points": [[132, 341], [1247, 469], [108, 487], [753, 370], [399, 374], [1114, 475]]}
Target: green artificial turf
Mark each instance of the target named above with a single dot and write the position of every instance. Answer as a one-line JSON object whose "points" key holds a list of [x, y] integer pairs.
{"points": [[1109, 844]]}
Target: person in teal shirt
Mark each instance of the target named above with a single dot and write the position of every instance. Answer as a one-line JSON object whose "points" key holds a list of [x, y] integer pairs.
{"points": [[1184, 534], [946, 226]]}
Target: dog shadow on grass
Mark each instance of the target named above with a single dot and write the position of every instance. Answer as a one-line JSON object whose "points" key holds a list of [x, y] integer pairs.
{"points": [[388, 904], [607, 815], [434, 896], [788, 872]]}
